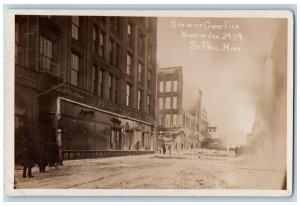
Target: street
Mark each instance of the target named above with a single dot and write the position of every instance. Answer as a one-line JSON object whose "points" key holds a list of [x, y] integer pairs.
{"points": [[194, 169]]}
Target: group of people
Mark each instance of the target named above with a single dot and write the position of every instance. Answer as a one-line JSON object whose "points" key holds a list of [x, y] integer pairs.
{"points": [[43, 154]]}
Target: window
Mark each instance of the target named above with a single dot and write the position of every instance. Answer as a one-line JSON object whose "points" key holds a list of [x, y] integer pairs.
{"points": [[168, 103], [128, 94], [139, 105], [96, 39], [97, 81], [130, 34], [129, 64], [149, 78], [100, 83], [101, 50], [111, 50], [18, 44], [149, 54], [140, 74], [161, 86], [103, 20], [148, 103], [175, 86], [117, 56], [174, 121], [160, 103], [168, 86], [45, 53], [75, 27], [168, 120], [141, 44], [110, 89], [174, 102], [114, 24], [116, 88], [129, 30], [74, 69]]}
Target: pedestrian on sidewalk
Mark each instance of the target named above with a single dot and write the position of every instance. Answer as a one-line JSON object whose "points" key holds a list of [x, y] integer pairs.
{"points": [[27, 153], [170, 149], [164, 148], [59, 144], [236, 151]]}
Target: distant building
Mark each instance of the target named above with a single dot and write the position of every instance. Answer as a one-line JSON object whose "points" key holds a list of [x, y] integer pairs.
{"points": [[92, 77], [176, 126]]}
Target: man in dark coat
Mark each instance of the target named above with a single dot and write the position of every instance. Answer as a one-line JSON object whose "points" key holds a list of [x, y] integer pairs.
{"points": [[27, 153], [164, 148]]}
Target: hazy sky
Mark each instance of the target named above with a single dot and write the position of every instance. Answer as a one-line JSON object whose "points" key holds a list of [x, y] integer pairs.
{"points": [[229, 80]]}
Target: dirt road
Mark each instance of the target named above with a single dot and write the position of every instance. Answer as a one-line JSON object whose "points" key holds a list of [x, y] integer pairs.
{"points": [[199, 169]]}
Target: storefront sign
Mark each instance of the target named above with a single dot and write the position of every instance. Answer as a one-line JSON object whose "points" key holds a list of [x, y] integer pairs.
{"points": [[103, 104]]}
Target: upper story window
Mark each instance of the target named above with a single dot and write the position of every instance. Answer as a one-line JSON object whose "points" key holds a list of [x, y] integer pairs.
{"points": [[45, 53], [111, 50], [174, 102], [140, 74], [110, 86], [101, 39], [130, 34], [139, 102], [97, 81], [167, 120], [160, 103], [116, 85], [96, 39], [168, 86], [103, 20], [174, 120], [115, 24], [161, 86], [149, 81], [149, 54], [129, 64], [129, 30], [74, 69], [175, 85], [141, 41], [148, 103], [75, 27], [168, 103], [128, 94], [18, 43], [117, 55]]}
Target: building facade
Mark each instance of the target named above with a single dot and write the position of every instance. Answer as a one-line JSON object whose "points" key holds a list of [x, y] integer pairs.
{"points": [[176, 126], [92, 77]]}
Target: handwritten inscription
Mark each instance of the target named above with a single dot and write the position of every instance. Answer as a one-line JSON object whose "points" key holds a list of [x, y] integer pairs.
{"points": [[210, 36]]}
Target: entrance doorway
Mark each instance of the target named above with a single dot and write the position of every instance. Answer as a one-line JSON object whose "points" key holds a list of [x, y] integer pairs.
{"points": [[115, 139]]}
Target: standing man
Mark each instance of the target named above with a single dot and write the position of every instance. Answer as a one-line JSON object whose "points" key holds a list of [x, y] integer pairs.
{"points": [[27, 153], [164, 148], [170, 148], [59, 143]]}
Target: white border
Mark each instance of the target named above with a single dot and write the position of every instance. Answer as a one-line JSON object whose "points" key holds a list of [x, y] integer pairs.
{"points": [[9, 107]]}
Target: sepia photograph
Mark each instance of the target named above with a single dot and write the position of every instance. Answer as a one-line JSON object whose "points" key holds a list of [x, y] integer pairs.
{"points": [[149, 103]]}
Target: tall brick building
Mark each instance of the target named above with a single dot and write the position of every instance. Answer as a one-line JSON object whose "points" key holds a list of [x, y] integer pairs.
{"points": [[92, 77], [176, 126]]}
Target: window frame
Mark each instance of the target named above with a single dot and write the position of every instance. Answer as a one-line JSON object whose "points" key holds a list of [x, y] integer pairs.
{"points": [[129, 63], [128, 95], [75, 27], [73, 69]]}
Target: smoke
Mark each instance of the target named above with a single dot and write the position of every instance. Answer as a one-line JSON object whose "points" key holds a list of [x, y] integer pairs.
{"points": [[268, 133]]}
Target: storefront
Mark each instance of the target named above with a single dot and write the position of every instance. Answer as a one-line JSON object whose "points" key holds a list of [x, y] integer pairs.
{"points": [[87, 128]]}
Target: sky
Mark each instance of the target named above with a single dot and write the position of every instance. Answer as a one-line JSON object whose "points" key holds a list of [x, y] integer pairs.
{"points": [[229, 80]]}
